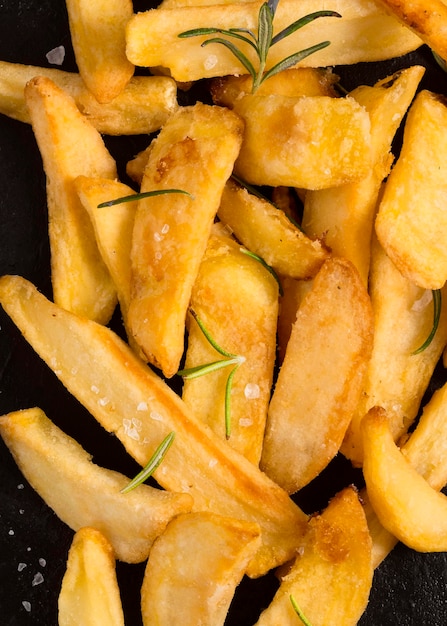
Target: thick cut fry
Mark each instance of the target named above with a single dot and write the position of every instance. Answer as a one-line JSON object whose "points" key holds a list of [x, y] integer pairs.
{"points": [[71, 146], [267, 231], [194, 152], [323, 143], [94, 363], [426, 18], [194, 569], [89, 594], [97, 29], [236, 299], [292, 296], [397, 378], [332, 576], [412, 222], [403, 500], [365, 32], [84, 494], [345, 215], [321, 377], [142, 107]]}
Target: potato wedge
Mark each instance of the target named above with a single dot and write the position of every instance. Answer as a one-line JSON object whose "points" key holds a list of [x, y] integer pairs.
{"points": [[236, 298], [332, 576], [94, 363], [325, 142], [396, 378], [312, 403], [345, 216], [71, 146], [268, 232], [195, 152], [292, 296], [373, 34], [403, 500], [97, 31], [411, 222], [84, 494], [142, 107], [194, 569], [89, 593]]}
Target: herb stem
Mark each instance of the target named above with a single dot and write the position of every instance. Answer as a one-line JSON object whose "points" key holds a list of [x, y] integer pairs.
{"points": [[152, 464], [437, 306]]}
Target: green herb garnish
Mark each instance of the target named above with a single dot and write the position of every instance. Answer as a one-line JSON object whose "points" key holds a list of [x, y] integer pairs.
{"points": [[299, 612], [201, 370], [437, 305], [141, 196], [152, 465], [268, 267], [263, 41]]}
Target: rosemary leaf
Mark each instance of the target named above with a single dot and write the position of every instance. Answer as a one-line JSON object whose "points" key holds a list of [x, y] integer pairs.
{"points": [[201, 370], [208, 337], [299, 612], [293, 59], [237, 53], [141, 196], [152, 465], [268, 267], [300, 23], [437, 305]]}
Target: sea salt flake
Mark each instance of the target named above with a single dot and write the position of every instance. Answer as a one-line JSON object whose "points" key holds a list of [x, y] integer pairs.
{"points": [[37, 580], [142, 406], [56, 56], [131, 430], [21, 567], [11, 532], [21, 486], [252, 391], [42, 562], [245, 421], [156, 416], [26, 605]]}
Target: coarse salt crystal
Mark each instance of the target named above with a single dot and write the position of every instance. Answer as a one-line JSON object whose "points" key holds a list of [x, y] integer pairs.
{"points": [[42, 562], [56, 56], [37, 580], [252, 391], [21, 567], [26, 605], [142, 406]]}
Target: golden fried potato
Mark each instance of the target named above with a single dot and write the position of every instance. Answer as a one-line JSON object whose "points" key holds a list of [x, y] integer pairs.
{"points": [[291, 298], [142, 107], [97, 30], [332, 576], [152, 36], [236, 298], [269, 233], [194, 569], [404, 502], [141, 409], [412, 222], [344, 216], [321, 377], [194, 152], [397, 378], [71, 146], [89, 593], [84, 494]]}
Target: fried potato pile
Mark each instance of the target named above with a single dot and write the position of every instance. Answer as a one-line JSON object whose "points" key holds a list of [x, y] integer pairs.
{"points": [[280, 273]]}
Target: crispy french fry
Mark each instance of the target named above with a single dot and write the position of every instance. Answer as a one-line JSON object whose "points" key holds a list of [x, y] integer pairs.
{"points": [[142, 107], [194, 569], [404, 502], [321, 378], [89, 593], [325, 142], [84, 494], [194, 152], [236, 299], [268, 232], [345, 215], [152, 36], [292, 296], [396, 378], [94, 363], [412, 223], [71, 146], [333, 574], [97, 29]]}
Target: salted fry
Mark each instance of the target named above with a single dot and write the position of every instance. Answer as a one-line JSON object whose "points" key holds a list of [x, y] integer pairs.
{"points": [[71, 146], [267, 231], [84, 494], [97, 29], [403, 500], [236, 299], [89, 593], [194, 569], [411, 223], [321, 377], [142, 410], [152, 36], [332, 576], [194, 152]]}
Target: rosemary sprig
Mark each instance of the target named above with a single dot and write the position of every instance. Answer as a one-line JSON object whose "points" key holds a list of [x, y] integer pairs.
{"points": [[263, 41], [264, 264], [299, 612], [152, 464], [437, 305], [141, 196], [201, 370]]}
